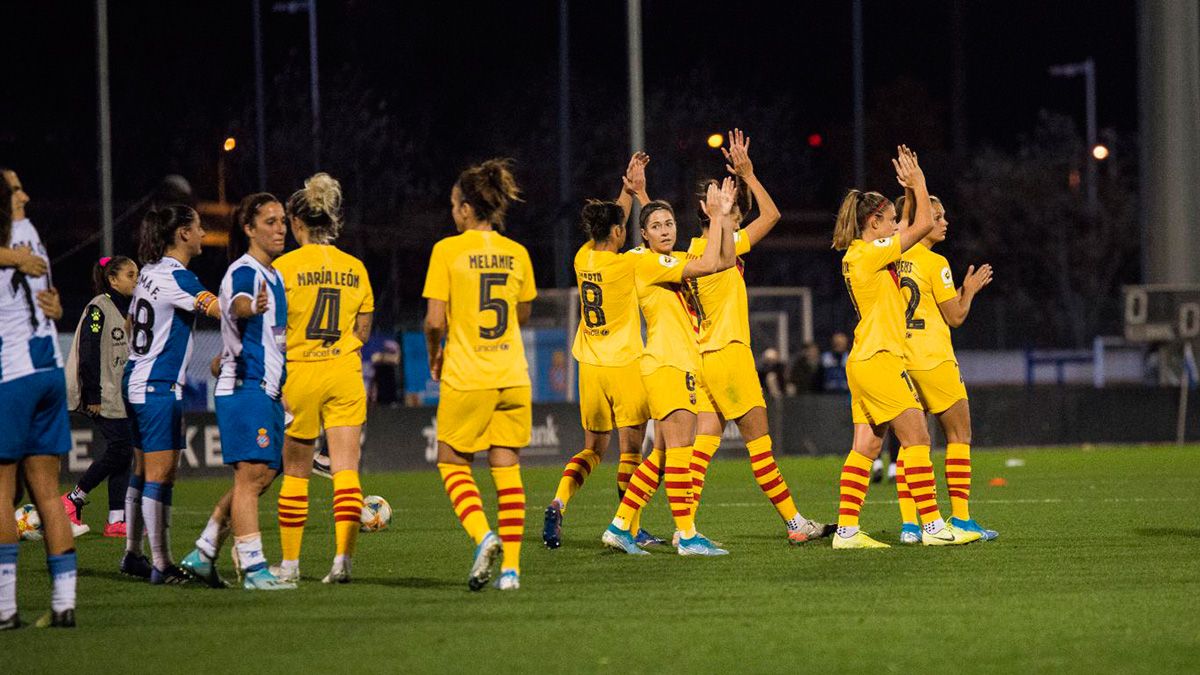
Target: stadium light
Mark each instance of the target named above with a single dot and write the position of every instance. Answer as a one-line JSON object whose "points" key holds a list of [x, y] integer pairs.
{"points": [[1100, 151], [230, 144], [815, 140], [1087, 70], [715, 140]]}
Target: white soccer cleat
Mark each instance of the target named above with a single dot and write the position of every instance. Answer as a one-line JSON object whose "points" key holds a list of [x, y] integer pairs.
{"points": [[339, 573]]}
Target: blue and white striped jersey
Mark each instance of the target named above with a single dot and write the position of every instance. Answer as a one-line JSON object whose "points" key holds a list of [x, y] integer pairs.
{"points": [[28, 340], [254, 347], [163, 313]]}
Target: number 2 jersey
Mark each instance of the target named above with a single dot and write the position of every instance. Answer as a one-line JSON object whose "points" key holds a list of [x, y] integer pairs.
{"points": [[869, 270], [162, 316], [28, 340], [610, 331], [927, 278], [481, 276], [327, 289], [254, 347]]}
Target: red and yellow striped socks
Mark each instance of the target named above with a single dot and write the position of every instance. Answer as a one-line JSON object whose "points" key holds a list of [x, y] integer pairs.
{"points": [[464, 497], [626, 465], [678, 481], [703, 449], [918, 476], [347, 510], [293, 514], [908, 507], [576, 472], [768, 477], [958, 479], [856, 477], [642, 486], [510, 514]]}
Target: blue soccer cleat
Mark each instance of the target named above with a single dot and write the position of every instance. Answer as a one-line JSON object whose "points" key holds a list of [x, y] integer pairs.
{"points": [[645, 539], [699, 545], [552, 526], [204, 570], [910, 533], [262, 580], [621, 540], [972, 526], [487, 559]]}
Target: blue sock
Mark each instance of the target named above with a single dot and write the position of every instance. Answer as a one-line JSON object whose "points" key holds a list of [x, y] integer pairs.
{"points": [[62, 575], [156, 510]]}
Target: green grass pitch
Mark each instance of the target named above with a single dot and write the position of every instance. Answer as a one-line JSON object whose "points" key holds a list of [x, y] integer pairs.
{"points": [[1097, 569]]}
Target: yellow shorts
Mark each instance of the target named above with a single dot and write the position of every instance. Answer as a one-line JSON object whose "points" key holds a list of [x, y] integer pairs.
{"points": [[325, 394], [880, 389], [473, 421], [731, 379], [669, 389], [611, 397], [940, 387]]}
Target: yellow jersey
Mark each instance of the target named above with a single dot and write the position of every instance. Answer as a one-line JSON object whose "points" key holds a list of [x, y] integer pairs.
{"points": [[671, 325], [610, 332], [722, 306], [326, 290], [927, 281], [869, 269], [482, 276]]}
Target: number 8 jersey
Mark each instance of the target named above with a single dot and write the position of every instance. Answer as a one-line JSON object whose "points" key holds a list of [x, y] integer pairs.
{"points": [[482, 276], [326, 290], [610, 332]]}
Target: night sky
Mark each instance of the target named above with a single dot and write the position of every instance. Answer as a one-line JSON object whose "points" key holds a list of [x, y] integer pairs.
{"points": [[460, 82]]}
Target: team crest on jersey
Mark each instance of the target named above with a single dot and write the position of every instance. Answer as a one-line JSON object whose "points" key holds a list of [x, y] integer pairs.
{"points": [[690, 381], [947, 277], [118, 334], [263, 440], [667, 260]]}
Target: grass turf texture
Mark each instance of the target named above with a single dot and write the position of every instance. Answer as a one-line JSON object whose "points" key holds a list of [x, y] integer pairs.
{"points": [[1095, 570]]}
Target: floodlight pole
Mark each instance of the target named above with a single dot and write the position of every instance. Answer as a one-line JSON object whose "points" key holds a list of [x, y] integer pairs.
{"points": [[260, 113], [637, 112], [562, 228], [105, 124], [1088, 70], [856, 41]]}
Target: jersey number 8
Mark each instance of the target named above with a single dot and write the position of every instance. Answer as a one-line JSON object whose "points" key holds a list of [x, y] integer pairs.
{"points": [[592, 299], [143, 323]]}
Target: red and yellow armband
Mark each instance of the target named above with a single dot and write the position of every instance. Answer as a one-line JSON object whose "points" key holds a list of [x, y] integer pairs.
{"points": [[204, 300]]}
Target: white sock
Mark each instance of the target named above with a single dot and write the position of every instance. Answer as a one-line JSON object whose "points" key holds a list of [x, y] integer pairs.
{"points": [[620, 524], [135, 526], [847, 531], [289, 564], [62, 574], [796, 522], [935, 527], [209, 543], [157, 512], [340, 559], [250, 553], [116, 516], [8, 580], [77, 494]]}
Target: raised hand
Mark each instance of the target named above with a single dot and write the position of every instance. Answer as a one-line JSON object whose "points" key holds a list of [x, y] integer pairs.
{"points": [[976, 279], [635, 174], [737, 155], [908, 170], [718, 201], [261, 300]]}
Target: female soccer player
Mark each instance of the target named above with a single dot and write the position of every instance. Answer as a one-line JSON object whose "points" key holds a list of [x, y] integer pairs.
{"points": [[161, 316], [33, 396], [730, 376], [934, 307], [881, 393], [670, 363], [329, 309], [478, 282], [607, 346], [94, 368], [248, 391]]}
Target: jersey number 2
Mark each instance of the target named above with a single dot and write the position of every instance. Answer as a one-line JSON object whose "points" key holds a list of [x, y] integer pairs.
{"points": [[323, 324], [913, 300], [487, 282]]}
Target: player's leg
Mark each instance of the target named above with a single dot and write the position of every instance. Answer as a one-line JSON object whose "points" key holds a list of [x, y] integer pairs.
{"points": [[912, 430], [956, 423], [9, 619], [41, 475], [574, 474], [345, 455], [292, 505], [709, 425], [854, 482], [200, 562], [119, 456], [250, 480], [509, 430], [910, 524], [157, 496], [135, 563], [622, 532], [679, 431]]}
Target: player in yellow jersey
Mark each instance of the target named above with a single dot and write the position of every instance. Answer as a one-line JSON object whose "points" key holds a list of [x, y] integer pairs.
{"points": [[480, 287], [670, 363], [730, 375], [933, 307], [881, 393], [607, 346], [330, 306]]}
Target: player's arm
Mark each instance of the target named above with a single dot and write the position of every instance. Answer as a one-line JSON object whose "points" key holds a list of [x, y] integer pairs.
{"points": [[435, 333], [956, 309], [362, 326], [738, 157], [909, 205], [244, 306], [717, 205], [24, 259], [910, 176], [524, 309]]}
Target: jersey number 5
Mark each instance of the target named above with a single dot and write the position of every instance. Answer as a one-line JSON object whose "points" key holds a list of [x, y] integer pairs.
{"points": [[488, 282], [323, 324], [592, 299]]}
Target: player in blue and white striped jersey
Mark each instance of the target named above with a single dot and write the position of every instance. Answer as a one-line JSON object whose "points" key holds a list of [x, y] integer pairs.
{"points": [[162, 312], [33, 400], [249, 390]]}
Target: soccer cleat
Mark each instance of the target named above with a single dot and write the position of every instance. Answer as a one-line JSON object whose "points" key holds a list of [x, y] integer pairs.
{"points": [[509, 580], [339, 573], [810, 531], [171, 576], [857, 540], [487, 559], [675, 540], [645, 539], [321, 464], [972, 526], [699, 545], [11, 623], [74, 509], [203, 570], [80, 529], [262, 580], [288, 574], [948, 536], [115, 530], [877, 471], [891, 474], [621, 540], [910, 533], [552, 526], [63, 619], [136, 565]]}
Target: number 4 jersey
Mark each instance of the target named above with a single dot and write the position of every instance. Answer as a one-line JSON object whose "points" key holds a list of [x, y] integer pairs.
{"points": [[326, 291], [482, 276], [610, 331]]}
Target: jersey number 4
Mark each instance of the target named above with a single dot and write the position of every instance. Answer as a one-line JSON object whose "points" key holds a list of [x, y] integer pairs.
{"points": [[487, 283], [323, 324]]}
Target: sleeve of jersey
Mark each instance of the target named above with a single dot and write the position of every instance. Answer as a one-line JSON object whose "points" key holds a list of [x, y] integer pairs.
{"points": [[189, 294], [741, 242], [528, 289], [882, 252], [656, 269], [243, 282], [943, 282], [437, 278], [90, 334], [368, 302]]}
